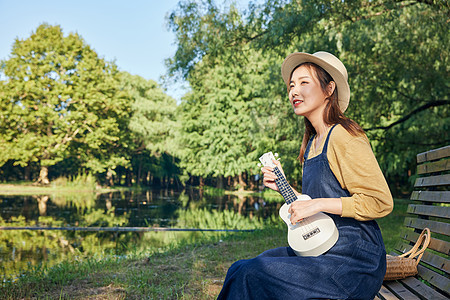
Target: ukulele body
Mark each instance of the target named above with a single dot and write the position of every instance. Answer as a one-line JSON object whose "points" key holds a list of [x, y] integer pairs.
{"points": [[312, 236]]}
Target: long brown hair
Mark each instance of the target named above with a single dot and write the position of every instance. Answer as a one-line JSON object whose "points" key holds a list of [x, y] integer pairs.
{"points": [[332, 113]]}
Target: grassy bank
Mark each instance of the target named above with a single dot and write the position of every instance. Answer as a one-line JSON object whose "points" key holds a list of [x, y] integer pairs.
{"points": [[28, 188], [189, 271], [185, 272]]}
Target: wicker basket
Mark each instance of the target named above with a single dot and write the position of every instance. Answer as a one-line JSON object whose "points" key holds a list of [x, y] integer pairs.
{"points": [[405, 265]]}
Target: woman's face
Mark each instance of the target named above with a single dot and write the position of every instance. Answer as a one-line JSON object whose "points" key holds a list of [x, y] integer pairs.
{"points": [[305, 94]]}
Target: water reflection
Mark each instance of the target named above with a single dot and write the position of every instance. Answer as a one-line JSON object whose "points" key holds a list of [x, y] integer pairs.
{"points": [[162, 208]]}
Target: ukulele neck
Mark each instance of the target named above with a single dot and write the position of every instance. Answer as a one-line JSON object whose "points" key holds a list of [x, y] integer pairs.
{"points": [[285, 189]]}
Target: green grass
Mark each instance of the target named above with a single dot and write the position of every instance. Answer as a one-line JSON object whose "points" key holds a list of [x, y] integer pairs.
{"points": [[190, 271], [392, 225], [185, 271]]}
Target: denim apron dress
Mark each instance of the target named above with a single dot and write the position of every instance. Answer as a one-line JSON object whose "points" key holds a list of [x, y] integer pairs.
{"points": [[352, 269]]}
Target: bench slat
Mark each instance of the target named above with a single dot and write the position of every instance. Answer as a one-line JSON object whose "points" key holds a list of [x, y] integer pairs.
{"points": [[436, 261], [436, 166], [422, 289], [434, 226], [435, 244], [429, 210], [433, 154], [431, 196], [399, 290], [433, 278], [429, 258], [385, 294], [438, 180]]}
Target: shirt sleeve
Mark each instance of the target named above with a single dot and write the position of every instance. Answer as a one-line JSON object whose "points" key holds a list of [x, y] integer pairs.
{"points": [[356, 168]]}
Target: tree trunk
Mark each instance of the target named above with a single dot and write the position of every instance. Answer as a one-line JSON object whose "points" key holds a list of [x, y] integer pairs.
{"points": [[128, 176], [242, 183], [109, 178], [27, 173], [139, 175], [43, 176], [252, 185], [220, 182]]}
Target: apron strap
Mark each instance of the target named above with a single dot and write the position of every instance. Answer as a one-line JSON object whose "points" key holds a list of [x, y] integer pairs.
{"points": [[308, 147], [325, 147]]}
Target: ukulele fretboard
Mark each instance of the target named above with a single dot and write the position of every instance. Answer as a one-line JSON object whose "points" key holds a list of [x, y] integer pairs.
{"points": [[285, 189]]}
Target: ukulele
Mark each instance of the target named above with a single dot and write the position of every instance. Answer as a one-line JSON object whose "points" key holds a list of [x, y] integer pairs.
{"points": [[311, 236]]}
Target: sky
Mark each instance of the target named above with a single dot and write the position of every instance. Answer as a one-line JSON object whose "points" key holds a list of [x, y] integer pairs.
{"points": [[133, 33]]}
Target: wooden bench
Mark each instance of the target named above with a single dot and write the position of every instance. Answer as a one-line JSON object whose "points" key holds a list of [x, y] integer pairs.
{"points": [[430, 208]]}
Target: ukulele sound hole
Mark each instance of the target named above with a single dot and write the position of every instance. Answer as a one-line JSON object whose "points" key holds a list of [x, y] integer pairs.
{"points": [[311, 233]]}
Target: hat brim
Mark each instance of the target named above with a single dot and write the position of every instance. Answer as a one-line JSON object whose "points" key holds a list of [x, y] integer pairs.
{"points": [[295, 59]]}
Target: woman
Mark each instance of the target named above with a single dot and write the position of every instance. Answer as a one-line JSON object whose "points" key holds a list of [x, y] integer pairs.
{"points": [[342, 176]]}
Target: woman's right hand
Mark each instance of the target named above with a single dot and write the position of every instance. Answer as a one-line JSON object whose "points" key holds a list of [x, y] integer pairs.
{"points": [[269, 176]]}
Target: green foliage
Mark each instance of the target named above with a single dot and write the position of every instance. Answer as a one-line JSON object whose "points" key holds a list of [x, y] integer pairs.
{"points": [[153, 122], [152, 128], [218, 131]]}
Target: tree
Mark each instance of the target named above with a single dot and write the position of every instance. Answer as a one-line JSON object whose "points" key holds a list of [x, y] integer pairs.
{"points": [[59, 99], [218, 121], [153, 120], [152, 127]]}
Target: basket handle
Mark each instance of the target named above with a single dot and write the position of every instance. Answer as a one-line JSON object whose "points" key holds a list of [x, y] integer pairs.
{"points": [[423, 240]]}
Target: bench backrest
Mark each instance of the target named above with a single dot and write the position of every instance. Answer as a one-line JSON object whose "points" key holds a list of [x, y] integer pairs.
{"points": [[431, 208]]}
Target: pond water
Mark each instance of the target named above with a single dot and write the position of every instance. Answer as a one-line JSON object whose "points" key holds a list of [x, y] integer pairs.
{"points": [[190, 209]]}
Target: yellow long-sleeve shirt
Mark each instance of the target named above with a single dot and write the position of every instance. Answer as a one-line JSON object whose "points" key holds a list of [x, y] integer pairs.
{"points": [[353, 163]]}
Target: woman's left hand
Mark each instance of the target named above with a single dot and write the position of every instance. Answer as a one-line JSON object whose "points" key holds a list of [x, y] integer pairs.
{"points": [[301, 209]]}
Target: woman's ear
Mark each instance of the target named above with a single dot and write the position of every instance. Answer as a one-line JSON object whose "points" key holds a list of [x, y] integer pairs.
{"points": [[330, 88]]}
